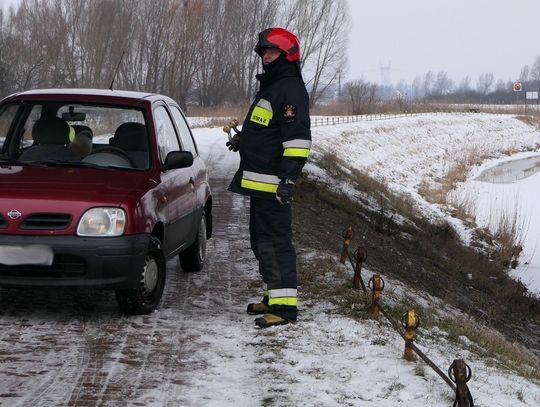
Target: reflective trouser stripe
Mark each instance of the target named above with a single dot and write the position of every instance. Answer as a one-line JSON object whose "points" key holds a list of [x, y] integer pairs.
{"points": [[296, 152], [283, 296], [289, 301], [259, 182]]}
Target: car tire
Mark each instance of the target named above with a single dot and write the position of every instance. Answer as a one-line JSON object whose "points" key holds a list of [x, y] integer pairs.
{"points": [[145, 298], [192, 259]]}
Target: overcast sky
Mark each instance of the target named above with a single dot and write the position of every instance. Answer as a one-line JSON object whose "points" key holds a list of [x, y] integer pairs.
{"points": [[462, 37]]}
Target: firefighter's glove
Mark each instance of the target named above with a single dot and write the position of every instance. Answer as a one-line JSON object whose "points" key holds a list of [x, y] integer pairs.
{"points": [[285, 192], [234, 143]]}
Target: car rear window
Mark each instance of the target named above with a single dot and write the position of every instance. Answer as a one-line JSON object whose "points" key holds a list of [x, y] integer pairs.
{"points": [[79, 135]]}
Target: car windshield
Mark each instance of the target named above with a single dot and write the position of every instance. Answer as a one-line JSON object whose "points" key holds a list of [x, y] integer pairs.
{"points": [[73, 134]]}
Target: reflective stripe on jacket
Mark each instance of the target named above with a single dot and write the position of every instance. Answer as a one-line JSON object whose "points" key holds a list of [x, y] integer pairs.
{"points": [[276, 138]]}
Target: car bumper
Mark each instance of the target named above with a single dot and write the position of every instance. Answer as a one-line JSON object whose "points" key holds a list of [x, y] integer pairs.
{"points": [[98, 262]]}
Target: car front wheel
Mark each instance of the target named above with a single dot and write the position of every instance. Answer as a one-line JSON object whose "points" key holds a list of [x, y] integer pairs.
{"points": [[192, 259], [145, 298]]}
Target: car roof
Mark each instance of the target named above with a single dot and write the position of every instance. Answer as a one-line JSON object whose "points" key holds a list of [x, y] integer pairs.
{"points": [[94, 95]]}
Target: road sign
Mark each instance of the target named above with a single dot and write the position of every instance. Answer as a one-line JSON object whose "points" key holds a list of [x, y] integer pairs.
{"points": [[531, 95], [518, 87]]}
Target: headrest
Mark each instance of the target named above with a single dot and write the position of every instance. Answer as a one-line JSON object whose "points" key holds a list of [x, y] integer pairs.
{"points": [[130, 136], [50, 130]]}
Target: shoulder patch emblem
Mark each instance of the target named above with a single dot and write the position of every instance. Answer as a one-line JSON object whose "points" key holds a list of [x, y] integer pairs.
{"points": [[289, 113]]}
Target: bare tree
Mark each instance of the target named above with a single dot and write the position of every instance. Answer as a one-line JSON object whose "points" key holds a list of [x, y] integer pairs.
{"points": [[465, 85], [535, 71], [524, 74], [485, 83], [416, 87], [443, 84], [176, 47], [322, 27], [427, 86], [361, 95]]}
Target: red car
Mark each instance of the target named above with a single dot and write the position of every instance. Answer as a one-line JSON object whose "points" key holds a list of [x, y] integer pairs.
{"points": [[100, 188]]}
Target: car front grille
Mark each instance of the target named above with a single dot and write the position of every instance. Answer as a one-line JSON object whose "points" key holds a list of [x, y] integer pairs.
{"points": [[64, 266], [46, 221], [3, 222]]}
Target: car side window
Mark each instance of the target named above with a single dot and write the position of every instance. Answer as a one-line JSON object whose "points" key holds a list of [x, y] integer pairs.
{"points": [[183, 128], [167, 140], [7, 115]]}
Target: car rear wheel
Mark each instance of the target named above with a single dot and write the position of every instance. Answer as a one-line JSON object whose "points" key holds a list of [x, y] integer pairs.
{"points": [[192, 259], [145, 298]]}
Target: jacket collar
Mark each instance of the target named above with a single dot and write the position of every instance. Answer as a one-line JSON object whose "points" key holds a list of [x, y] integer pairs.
{"points": [[280, 68]]}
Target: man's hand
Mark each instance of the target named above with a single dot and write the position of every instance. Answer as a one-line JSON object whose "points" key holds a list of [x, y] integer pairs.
{"points": [[285, 192], [234, 144]]}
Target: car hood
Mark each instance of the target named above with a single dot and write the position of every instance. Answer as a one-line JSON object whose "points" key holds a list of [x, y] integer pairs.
{"points": [[95, 186], [31, 190]]}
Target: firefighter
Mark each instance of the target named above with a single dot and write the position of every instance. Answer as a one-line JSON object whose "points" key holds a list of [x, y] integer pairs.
{"points": [[274, 144]]}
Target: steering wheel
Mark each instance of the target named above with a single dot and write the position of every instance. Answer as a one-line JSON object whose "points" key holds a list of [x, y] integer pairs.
{"points": [[114, 150]]}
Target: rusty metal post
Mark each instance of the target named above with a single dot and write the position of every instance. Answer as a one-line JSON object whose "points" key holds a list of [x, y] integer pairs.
{"points": [[410, 321], [347, 238], [361, 255], [460, 373], [376, 283]]}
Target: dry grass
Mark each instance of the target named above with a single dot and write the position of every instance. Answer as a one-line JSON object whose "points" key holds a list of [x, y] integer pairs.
{"points": [[489, 343], [530, 119]]}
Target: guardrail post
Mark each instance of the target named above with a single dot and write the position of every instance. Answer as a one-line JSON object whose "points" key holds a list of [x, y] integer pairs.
{"points": [[347, 238], [361, 256], [376, 283], [460, 373], [410, 321]]}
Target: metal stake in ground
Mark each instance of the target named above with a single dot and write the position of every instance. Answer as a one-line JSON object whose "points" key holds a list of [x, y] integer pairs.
{"points": [[376, 283], [361, 256], [354, 270], [461, 375], [347, 238], [410, 321]]}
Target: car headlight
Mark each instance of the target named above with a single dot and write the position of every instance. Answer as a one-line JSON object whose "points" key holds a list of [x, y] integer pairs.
{"points": [[102, 222]]}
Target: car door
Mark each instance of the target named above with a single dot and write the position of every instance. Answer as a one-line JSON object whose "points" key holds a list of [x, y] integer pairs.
{"points": [[176, 190], [188, 144]]}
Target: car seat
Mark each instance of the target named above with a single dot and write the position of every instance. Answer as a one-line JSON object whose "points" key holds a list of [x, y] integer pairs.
{"points": [[51, 139], [132, 138]]}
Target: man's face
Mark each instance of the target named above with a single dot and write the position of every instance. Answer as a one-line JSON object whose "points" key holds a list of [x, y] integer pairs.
{"points": [[270, 55]]}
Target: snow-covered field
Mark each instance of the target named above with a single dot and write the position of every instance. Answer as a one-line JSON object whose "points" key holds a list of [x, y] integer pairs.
{"points": [[327, 359], [405, 152]]}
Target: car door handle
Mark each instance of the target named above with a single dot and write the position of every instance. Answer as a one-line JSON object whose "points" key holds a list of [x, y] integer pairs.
{"points": [[163, 199], [192, 182]]}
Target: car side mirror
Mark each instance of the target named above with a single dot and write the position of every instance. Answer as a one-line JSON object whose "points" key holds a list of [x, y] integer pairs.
{"points": [[177, 159]]}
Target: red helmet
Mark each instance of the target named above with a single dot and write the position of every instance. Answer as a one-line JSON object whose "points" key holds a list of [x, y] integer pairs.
{"points": [[279, 38]]}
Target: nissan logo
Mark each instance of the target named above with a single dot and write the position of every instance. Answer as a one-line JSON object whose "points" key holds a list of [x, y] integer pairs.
{"points": [[14, 214]]}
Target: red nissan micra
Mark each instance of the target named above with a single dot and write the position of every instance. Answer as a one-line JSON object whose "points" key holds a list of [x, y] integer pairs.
{"points": [[100, 188]]}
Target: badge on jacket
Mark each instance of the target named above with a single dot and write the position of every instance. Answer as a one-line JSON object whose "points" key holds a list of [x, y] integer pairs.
{"points": [[289, 113]]}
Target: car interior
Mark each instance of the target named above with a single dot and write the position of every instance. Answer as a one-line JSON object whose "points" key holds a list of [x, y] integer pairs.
{"points": [[84, 135]]}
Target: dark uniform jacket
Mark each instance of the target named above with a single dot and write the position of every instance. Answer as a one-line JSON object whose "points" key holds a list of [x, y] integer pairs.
{"points": [[276, 136]]}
